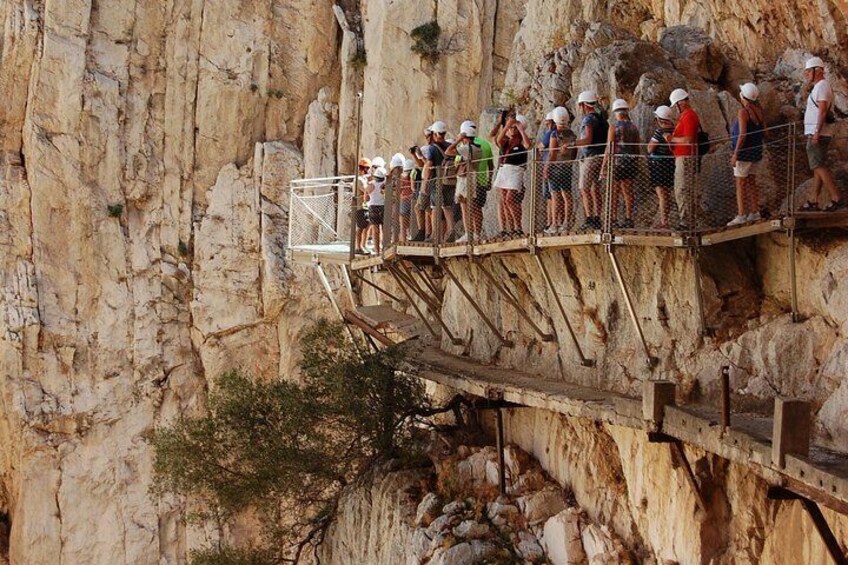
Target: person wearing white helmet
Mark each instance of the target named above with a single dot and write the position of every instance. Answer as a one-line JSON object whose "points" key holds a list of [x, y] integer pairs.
{"points": [[376, 206], [684, 145], [543, 144], [661, 162], [361, 202], [433, 155], [746, 133], [513, 143], [623, 146], [475, 163], [559, 171], [818, 127], [592, 140], [407, 190]]}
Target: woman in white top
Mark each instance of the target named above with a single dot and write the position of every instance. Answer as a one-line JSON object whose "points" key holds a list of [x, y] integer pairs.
{"points": [[376, 207]]}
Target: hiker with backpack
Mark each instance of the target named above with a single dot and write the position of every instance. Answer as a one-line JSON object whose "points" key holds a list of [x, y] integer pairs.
{"points": [[623, 146], [513, 143], [818, 128], [684, 141], [559, 170], [475, 164], [376, 207], [746, 134], [432, 156], [592, 141], [661, 162]]}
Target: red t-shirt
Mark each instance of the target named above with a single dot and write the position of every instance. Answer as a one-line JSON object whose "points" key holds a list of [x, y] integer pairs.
{"points": [[687, 126]]}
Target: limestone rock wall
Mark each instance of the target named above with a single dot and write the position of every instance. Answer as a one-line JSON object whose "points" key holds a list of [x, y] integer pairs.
{"points": [[145, 148]]}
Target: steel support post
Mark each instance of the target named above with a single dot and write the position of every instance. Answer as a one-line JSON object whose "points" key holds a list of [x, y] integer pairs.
{"points": [[725, 399], [629, 303], [387, 237], [534, 197], [501, 459], [427, 281], [552, 289], [512, 301], [819, 521], [431, 303], [703, 330], [504, 341], [409, 297], [679, 454], [355, 188], [793, 280]]}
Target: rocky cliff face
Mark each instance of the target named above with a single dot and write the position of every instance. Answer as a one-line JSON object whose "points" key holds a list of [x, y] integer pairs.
{"points": [[145, 148]]}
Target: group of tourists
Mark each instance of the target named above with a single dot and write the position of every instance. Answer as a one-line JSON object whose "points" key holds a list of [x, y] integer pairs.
{"points": [[444, 183]]}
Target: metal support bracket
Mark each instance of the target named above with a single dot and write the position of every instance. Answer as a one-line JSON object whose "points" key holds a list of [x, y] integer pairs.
{"points": [[652, 361], [434, 309], [703, 329], [822, 527], [679, 455], [501, 459], [552, 289], [377, 287], [414, 304], [348, 285], [325, 282], [428, 282], [515, 304], [504, 341]]}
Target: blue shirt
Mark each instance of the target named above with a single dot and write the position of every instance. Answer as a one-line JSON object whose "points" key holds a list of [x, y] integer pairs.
{"points": [[598, 137], [546, 141]]}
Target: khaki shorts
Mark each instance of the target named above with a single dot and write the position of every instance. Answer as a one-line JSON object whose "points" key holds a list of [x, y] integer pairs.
{"points": [[590, 171], [744, 169], [817, 154]]}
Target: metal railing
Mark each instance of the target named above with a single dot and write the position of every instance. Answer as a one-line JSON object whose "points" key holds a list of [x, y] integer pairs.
{"points": [[320, 212], [610, 195]]}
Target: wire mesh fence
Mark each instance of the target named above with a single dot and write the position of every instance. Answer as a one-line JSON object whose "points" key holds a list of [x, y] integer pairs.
{"points": [[319, 212], [616, 189]]}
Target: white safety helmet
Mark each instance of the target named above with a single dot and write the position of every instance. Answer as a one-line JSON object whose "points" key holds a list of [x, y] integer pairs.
{"points": [[550, 116], [663, 113], [678, 95], [813, 63], [380, 173], [468, 128], [397, 160], [587, 97], [521, 119], [619, 105], [408, 165], [560, 116], [378, 162], [750, 91], [438, 127]]}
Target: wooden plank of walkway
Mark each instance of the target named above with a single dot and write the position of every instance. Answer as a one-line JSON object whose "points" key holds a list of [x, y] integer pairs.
{"points": [[823, 476]]}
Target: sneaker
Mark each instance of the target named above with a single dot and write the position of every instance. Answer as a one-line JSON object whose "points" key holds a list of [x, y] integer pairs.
{"points": [[809, 207], [627, 223], [463, 239], [418, 237], [595, 222], [834, 206], [550, 230], [754, 217], [737, 221], [563, 229]]}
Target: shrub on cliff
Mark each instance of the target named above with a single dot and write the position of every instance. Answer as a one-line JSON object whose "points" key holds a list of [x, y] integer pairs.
{"points": [[287, 449]]}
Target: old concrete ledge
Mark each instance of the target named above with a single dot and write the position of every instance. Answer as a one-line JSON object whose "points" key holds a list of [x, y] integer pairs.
{"points": [[822, 476]]}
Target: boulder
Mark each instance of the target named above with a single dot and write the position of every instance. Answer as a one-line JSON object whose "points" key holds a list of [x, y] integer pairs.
{"points": [[469, 529], [562, 539], [454, 507], [428, 509], [529, 547], [464, 553], [693, 44], [601, 547], [540, 506]]}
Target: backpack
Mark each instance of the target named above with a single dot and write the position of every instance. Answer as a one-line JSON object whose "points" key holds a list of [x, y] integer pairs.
{"points": [[600, 130]]}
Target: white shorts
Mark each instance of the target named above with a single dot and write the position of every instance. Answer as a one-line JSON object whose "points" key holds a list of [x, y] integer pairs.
{"points": [[462, 187], [510, 177], [743, 169]]}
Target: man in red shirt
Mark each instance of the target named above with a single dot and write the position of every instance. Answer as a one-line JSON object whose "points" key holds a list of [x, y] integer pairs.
{"points": [[684, 145]]}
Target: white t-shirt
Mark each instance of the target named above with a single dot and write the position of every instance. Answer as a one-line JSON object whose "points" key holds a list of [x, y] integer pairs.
{"points": [[821, 91], [377, 197]]}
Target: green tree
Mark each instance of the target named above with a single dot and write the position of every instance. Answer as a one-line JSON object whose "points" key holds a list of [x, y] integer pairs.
{"points": [[287, 449]]}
